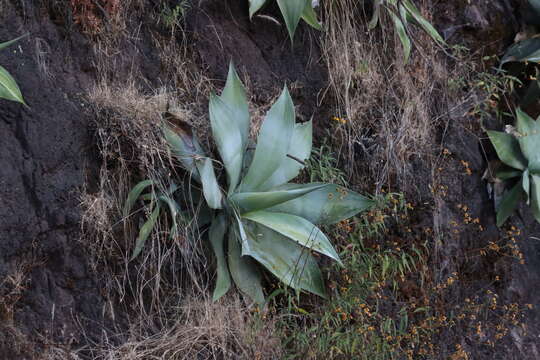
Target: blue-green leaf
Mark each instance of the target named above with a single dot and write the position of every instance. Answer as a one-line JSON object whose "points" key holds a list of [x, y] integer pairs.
{"points": [[254, 6], [289, 262], [251, 201], [9, 89], [310, 17], [526, 50], [327, 205], [529, 139], [185, 146], [509, 203], [292, 11], [244, 271], [300, 149], [217, 236], [429, 29], [8, 43], [273, 143], [297, 229], [508, 150], [134, 195], [145, 230], [535, 196], [226, 133], [402, 34], [211, 190]]}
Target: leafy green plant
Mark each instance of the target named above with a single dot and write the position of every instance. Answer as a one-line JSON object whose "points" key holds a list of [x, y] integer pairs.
{"points": [[402, 13], [519, 150], [173, 16], [292, 11], [527, 49], [259, 217], [9, 89]]}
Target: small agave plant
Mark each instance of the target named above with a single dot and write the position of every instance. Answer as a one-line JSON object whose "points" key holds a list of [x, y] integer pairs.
{"points": [[260, 219], [519, 150], [292, 11], [8, 87], [402, 13]]}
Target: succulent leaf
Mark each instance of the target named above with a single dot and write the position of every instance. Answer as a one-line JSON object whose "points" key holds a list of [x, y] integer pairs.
{"points": [[529, 139], [402, 34], [211, 190], [273, 141], [327, 205], [508, 149], [535, 196], [9, 89], [226, 133], [134, 195], [254, 6], [292, 11], [526, 50], [252, 201], [289, 262], [509, 203], [244, 271], [300, 149], [217, 236], [417, 16], [310, 17], [184, 146], [297, 229]]}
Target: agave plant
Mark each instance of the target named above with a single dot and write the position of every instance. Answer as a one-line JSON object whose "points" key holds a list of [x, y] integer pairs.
{"points": [[8, 87], [402, 13], [292, 11], [528, 49], [519, 151], [260, 219]]}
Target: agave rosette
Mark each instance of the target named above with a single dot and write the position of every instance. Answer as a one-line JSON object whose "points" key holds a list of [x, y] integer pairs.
{"points": [[519, 151], [260, 218]]}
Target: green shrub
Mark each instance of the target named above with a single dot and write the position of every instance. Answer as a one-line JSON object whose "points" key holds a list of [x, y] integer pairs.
{"points": [[408, 13], [260, 217], [292, 11], [519, 150], [8, 87]]}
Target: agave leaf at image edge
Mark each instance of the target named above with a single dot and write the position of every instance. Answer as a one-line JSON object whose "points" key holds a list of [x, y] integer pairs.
{"points": [[254, 6], [535, 196], [417, 16], [272, 143], [526, 185], [289, 262], [526, 50], [228, 138], [134, 195], [10, 42], [507, 173], [217, 239], [402, 34], [529, 139], [297, 229], [145, 230], [508, 149], [535, 6], [300, 148], [211, 190], [327, 205], [310, 17], [252, 201], [185, 147], [292, 11], [234, 95], [509, 203], [244, 271], [9, 89]]}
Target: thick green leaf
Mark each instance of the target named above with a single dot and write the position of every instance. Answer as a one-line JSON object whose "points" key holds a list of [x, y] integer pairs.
{"points": [[300, 149], [429, 29], [9, 89], [297, 229], [228, 137], [288, 261], [254, 6], [211, 190], [234, 95], [526, 50], [217, 236], [8, 43], [145, 230], [184, 146], [244, 271], [251, 201], [535, 196], [507, 173], [526, 184], [310, 17], [134, 195], [273, 141], [292, 11], [507, 148], [376, 13], [403, 37], [509, 203], [529, 139], [327, 205]]}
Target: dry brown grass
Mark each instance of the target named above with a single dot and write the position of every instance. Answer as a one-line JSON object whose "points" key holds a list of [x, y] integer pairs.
{"points": [[391, 108]]}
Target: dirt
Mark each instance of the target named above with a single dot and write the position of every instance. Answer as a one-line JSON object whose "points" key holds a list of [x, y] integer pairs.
{"points": [[47, 155]]}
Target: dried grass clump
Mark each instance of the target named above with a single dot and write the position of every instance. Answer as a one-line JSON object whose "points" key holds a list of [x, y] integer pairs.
{"points": [[199, 329], [391, 109]]}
